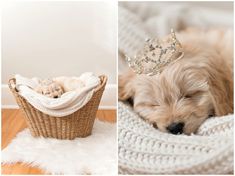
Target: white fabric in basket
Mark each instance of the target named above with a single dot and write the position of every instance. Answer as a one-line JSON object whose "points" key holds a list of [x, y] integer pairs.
{"points": [[67, 104]]}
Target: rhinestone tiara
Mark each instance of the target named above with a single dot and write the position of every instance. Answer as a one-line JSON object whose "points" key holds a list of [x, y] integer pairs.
{"points": [[156, 55]]}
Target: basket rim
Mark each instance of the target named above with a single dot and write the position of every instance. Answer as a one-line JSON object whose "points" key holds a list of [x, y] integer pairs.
{"points": [[12, 82]]}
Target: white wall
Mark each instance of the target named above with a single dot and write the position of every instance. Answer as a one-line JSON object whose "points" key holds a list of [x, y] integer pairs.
{"points": [[47, 39]]}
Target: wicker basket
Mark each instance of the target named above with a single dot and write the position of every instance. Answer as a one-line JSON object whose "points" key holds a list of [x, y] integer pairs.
{"points": [[78, 124]]}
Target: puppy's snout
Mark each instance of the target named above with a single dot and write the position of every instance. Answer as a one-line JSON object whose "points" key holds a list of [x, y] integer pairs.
{"points": [[176, 128]]}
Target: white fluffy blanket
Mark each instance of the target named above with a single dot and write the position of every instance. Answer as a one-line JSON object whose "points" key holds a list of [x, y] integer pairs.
{"points": [[95, 154]]}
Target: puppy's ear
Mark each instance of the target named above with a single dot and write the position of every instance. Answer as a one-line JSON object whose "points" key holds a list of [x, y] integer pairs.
{"points": [[126, 85], [221, 89]]}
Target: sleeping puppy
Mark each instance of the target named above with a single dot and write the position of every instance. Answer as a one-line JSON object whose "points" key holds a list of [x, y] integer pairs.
{"points": [[188, 91]]}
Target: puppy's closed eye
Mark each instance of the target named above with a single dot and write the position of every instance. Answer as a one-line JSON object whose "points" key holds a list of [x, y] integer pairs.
{"points": [[155, 104], [188, 96], [192, 94], [151, 104]]}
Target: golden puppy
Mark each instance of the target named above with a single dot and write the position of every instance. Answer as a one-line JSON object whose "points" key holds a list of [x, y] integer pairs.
{"points": [[190, 90]]}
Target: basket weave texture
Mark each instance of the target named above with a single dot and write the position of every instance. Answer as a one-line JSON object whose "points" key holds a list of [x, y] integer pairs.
{"points": [[77, 124]]}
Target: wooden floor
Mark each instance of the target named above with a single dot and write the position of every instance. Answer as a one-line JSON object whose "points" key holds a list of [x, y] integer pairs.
{"points": [[13, 122]]}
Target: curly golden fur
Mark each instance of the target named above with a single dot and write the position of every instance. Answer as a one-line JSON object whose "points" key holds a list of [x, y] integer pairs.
{"points": [[190, 90]]}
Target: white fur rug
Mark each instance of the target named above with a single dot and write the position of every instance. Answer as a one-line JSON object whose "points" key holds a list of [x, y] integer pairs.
{"points": [[96, 154]]}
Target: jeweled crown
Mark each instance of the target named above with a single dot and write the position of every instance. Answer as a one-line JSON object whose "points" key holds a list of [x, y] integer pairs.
{"points": [[156, 55]]}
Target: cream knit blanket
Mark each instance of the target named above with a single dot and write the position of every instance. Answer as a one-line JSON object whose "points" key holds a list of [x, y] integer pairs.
{"points": [[145, 150]]}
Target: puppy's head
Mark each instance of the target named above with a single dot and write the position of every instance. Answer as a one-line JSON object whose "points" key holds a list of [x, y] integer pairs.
{"points": [[180, 98]]}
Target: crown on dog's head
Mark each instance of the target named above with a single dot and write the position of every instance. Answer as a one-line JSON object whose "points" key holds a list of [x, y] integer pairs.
{"points": [[156, 55]]}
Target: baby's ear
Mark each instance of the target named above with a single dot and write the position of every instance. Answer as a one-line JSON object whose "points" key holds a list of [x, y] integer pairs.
{"points": [[126, 85]]}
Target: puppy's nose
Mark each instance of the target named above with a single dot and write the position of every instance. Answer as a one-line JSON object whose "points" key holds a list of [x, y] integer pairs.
{"points": [[176, 128]]}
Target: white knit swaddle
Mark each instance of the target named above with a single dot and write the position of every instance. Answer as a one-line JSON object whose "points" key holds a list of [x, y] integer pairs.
{"points": [[67, 104]]}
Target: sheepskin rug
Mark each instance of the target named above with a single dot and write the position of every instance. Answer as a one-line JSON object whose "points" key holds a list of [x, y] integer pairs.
{"points": [[96, 154]]}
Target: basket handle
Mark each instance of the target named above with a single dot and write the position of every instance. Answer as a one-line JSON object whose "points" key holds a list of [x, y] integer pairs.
{"points": [[103, 80], [11, 84]]}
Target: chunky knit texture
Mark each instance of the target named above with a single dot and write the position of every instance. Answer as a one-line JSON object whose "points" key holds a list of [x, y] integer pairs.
{"points": [[131, 32], [145, 150]]}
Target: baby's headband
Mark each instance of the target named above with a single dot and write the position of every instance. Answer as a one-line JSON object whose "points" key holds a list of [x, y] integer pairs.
{"points": [[156, 55]]}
